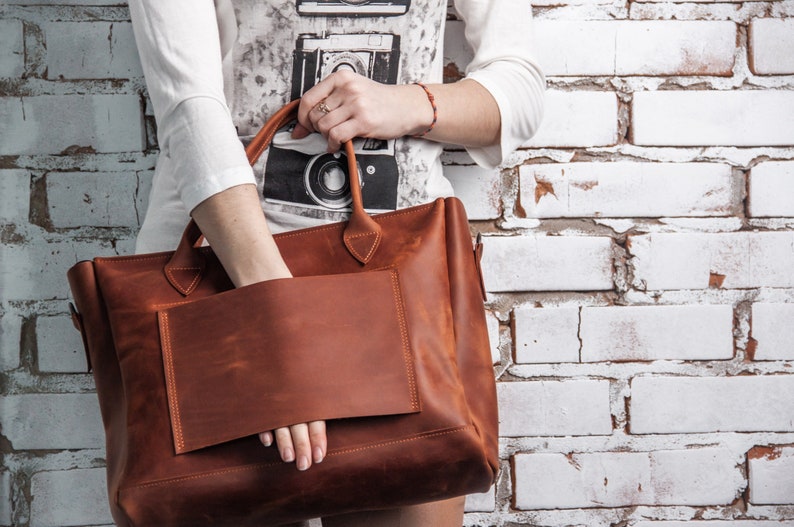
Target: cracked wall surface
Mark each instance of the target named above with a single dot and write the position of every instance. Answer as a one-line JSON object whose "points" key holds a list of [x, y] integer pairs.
{"points": [[639, 261]]}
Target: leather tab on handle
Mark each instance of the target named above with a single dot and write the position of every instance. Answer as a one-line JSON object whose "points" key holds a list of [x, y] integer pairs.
{"points": [[362, 234], [361, 237]]}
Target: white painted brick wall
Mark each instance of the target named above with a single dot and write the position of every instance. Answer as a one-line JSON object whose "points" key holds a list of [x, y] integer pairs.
{"points": [[60, 346], [712, 404], [699, 118], [479, 189], [636, 47], [12, 60], [620, 479], [552, 408], [10, 333], [482, 502], [96, 199], [45, 279], [546, 334], [727, 260], [772, 46], [646, 333], [638, 253], [69, 498], [771, 189], [585, 118], [543, 263], [5, 498], [51, 124], [771, 475], [628, 189], [713, 523], [773, 331], [52, 421], [101, 50], [14, 196]]}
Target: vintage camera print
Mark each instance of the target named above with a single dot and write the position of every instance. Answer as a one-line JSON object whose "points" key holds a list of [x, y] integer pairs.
{"points": [[299, 171], [353, 8]]}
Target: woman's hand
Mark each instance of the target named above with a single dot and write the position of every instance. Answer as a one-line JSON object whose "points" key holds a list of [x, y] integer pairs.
{"points": [[303, 443], [235, 226], [346, 105]]}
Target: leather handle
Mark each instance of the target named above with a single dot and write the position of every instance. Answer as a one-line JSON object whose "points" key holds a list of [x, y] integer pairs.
{"points": [[361, 236]]}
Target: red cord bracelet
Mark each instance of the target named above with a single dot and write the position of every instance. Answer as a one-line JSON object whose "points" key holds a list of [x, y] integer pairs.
{"points": [[432, 100]]}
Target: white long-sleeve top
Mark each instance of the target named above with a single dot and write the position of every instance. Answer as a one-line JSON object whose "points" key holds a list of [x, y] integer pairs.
{"points": [[215, 70]]}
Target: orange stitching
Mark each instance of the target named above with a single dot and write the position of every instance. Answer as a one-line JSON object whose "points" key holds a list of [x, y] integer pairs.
{"points": [[371, 249], [173, 401], [270, 464], [406, 345], [196, 278]]}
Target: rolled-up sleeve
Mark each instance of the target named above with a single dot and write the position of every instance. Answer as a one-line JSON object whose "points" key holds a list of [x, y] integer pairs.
{"points": [[180, 52], [500, 33]]}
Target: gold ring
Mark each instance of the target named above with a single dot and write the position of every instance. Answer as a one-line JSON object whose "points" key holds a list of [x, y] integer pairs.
{"points": [[323, 107]]}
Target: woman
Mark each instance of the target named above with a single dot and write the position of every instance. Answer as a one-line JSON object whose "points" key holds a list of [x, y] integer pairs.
{"points": [[364, 69]]}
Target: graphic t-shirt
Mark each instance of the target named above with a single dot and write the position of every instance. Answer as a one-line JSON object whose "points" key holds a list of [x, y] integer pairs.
{"points": [[285, 48], [216, 70]]}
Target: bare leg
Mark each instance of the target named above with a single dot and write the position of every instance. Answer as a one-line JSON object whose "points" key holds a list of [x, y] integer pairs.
{"points": [[448, 513]]}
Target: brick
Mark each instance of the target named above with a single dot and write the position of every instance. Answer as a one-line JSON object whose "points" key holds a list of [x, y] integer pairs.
{"points": [[493, 336], [651, 47], [52, 124], [569, 2], [627, 189], [10, 335], [772, 46], [457, 52], [52, 421], [12, 60], [703, 118], [735, 260], [66, 498], [481, 502], [60, 347], [554, 408], [5, 498], [96, 199], [91, 50], [478, 188], [773, 331], [47, 278], [546, 334], [547, 263], [717, 523], [67, 2], [647, 333], [770, 475], [578, 119], [771, 188], [14, 196], [620, 479], [746, 403]]}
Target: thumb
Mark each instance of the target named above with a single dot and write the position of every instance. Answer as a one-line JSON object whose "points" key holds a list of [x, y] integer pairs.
{"points": [[300, 131]]}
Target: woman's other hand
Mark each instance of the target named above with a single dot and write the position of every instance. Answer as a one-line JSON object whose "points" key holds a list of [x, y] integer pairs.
{"points": [[346, 105]]}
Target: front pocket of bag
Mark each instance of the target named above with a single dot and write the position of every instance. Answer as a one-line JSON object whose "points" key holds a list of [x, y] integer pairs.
{"points": [[287, 351]]}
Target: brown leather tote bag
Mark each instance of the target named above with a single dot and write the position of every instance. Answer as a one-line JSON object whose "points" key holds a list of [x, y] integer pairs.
{"points": [[381, 333]]}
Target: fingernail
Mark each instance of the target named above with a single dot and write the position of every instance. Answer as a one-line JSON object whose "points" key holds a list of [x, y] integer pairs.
{"points": [[288, 455], [299, 132], [303, 463], [266, 439], [318, 455]]}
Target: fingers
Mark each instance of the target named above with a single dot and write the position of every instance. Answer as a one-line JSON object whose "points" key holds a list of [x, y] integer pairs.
{"points": [[303, 443], [266, 438]]}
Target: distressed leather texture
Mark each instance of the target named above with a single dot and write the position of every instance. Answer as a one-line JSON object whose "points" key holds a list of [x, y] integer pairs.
{"points": [[382, 333]]}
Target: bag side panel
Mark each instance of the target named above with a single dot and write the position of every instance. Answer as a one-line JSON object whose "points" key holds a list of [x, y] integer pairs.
{"points": [[471, 332], [107, 376]]}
